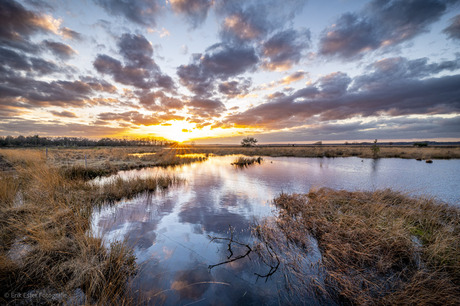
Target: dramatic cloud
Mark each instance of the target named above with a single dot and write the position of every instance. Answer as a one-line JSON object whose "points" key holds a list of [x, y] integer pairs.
{"points": [[142, 12], [296, 76], [194, 10], [17, 24], [34, 127], [139, 70], [397, 70], [384, 91], [12, 61], [246, 21], [334, 84], [61, 50], [29, 92], [221, 62], [65, 114], [205, 108], [133, 117], [383, 128], [158, 101], [383, 23], [453, 30], [235, 88], [245, 25], [262, 65], [137, 51], [70, 34], [284, 49]]}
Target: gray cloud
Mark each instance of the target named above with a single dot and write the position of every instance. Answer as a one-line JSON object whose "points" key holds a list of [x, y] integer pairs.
{"points": [[398, 69], [61, 50], [33, 127], [65, 114], [136, 51], [133, 117], [235, 88], [205, 108], [142, 12], [23, 91], [394, 128], [284, 49], [158, 101], [71, 34], [333, 98], [334, 84], [220, 61], [17, 25], [12, 61], [16, 22], [195, 11], [382, 23], [453, 30], [139, 69], [249, 21]]}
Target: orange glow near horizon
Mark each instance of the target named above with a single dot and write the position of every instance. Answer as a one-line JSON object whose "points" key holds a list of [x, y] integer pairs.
{"points": [[181, 131]]}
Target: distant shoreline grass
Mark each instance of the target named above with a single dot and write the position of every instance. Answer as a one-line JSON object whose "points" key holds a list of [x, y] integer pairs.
{"points": [[377, 247], [362, 151]]}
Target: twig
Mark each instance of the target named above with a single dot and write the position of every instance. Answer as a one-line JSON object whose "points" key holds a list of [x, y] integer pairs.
{"points": [[230, 241]]}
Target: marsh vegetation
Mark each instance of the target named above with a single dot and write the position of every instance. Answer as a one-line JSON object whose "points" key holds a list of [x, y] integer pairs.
{"points": [[243, 161], [46, 246], [377, 247], [363, 151], [327, 245]]}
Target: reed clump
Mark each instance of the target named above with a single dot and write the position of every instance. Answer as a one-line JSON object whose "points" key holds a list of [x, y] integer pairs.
{"points": [[243, 161], [119, 188], [45, 242], [377, 247]]}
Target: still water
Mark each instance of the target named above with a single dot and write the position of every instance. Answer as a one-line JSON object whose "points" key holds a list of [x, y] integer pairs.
{"points": [[171, 231]]}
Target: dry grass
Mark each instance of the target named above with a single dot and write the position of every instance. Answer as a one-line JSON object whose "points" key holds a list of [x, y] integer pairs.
{"points": [[246, 161], [410, 152], [44, 233], [376, 247], [120, 188]]}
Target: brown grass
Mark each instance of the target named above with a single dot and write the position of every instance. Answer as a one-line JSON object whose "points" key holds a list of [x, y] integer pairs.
{"points": [[363, 151], [46, 245], [246, 161], [377, 247]]}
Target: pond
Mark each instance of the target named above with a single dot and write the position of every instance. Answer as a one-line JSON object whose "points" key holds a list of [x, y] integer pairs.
{"points": [[172, 231]]}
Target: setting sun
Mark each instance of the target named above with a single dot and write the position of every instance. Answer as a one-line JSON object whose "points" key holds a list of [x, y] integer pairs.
{"points": [[182, 131]]}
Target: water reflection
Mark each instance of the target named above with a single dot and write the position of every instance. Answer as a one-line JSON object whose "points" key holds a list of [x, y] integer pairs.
{"points": [[170, 230]]}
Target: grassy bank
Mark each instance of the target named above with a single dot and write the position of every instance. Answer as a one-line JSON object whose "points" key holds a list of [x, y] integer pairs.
{"points": [[410, 152], [46, 249], [88, 163], [376, 247]]}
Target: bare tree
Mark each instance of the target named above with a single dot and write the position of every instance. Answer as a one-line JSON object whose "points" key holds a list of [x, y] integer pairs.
{"points": [[248, 142]]}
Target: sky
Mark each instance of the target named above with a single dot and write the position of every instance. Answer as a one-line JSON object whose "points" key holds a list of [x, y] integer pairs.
{"points": [[215, 71]]}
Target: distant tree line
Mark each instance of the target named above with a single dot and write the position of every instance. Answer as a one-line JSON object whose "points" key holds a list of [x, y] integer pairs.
{"points": [[37, 141]]}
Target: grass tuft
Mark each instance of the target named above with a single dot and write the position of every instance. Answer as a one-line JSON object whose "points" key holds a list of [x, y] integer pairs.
{"points": [[376, 247], [246, 161]]}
